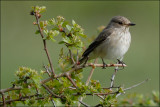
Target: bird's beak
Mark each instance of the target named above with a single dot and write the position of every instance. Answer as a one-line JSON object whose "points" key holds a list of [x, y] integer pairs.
{"points": [[131, 24]]}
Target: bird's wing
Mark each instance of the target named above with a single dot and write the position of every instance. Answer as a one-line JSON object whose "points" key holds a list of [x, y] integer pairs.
{"points": [[101, 37]]}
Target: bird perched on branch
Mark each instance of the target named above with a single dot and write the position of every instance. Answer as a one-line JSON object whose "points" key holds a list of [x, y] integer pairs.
{"points": [[112, 43]]}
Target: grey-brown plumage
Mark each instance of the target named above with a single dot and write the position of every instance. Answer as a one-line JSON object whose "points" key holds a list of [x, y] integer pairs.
{"points": [[112, 43]]}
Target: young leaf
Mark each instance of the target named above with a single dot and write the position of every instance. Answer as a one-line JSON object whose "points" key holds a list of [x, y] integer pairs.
{"points": [[68, 27], [37, 32], [73, 23]]}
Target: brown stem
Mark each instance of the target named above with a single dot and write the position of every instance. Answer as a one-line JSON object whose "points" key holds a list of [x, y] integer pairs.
{"points": [[68, 76], [113, 77], [9, 89], [3, 98], [136, 85], [22, 99], [107, 65], [44, 43], [47, 70], [80, 67], [84, 104], [71, 55], [50, 91], [88, 80], [91, 73], [77, 59]]}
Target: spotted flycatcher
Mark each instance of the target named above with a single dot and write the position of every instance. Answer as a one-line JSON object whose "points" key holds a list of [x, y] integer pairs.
{"points": [[112, 43]]}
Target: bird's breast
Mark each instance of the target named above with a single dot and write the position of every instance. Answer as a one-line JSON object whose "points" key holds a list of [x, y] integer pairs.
{"points": [[115, 46]]}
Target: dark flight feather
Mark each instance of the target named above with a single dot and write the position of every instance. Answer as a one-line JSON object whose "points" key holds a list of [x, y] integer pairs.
{"points": [[99, 40]]}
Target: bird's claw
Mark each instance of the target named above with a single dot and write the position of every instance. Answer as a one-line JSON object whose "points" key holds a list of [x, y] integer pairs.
{"points": [[104, 66], [121, 62]]}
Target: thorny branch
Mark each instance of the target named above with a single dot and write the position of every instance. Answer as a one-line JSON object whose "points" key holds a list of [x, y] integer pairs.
{"points": [[89, 78], [9, 89], [3, 98], [47, 70], [44, 43], [136, 85], [22, 99], [80, 67], [86, 105], [56, 96], [113, 76], [71, 55]]}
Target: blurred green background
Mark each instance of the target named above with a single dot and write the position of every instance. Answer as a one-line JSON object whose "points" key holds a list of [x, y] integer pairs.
{"points": [[21, 47]]}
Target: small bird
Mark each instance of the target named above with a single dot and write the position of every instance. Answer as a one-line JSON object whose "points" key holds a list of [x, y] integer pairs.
{"points": [[112, 43]]}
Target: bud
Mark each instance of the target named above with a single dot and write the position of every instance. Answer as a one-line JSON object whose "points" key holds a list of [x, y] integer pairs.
{"points": [[34, 23], [32, 12], [39, 15], [60, 28], [78, 63]]}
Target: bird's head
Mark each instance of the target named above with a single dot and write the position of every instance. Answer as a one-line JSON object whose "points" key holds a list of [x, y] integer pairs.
{"points": [[120, 22]]}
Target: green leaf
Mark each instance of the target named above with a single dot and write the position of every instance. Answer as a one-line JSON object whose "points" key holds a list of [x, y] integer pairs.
{"points": [[67, 40], [41, 24], [26, 91], [55, 32], [73, 23], [64, 23], [42, 9], [45, 31], [82, 35], [37, 80], [53, 40], [55, 28], [61, 42], [52, 21], [68, 27], [37, 32]]}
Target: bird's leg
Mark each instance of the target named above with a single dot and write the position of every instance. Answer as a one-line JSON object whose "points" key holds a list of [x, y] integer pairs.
{"points": [[104, 64], [121, 62]]}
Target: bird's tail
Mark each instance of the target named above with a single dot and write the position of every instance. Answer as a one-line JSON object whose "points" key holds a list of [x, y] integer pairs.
{"points": [[82, 59]]}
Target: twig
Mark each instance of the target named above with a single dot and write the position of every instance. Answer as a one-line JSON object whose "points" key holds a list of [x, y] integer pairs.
{"points": [[3, 98], [99, 105], [133, 86], [86, 105], [77, 59], [44, 43], [113, 76], [50, 91], [80, 67], [107, 65], [71, 55], [102, 94], [22, 99], [68, 76], [10, 89], [91, 73], [88, 80], [100, 97], [54, 105], [47, 70], [110, 87], [136, 85]]}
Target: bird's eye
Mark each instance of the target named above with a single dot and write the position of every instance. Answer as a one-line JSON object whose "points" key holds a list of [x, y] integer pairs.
{"points": [[120, 23]]}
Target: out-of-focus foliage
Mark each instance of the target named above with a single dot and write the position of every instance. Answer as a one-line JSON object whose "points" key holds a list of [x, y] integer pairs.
{"points": [[140, 100]]}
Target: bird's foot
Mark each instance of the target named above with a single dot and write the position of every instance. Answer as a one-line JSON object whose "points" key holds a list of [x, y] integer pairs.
{"points": [[104, 66], [121, 62]]}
